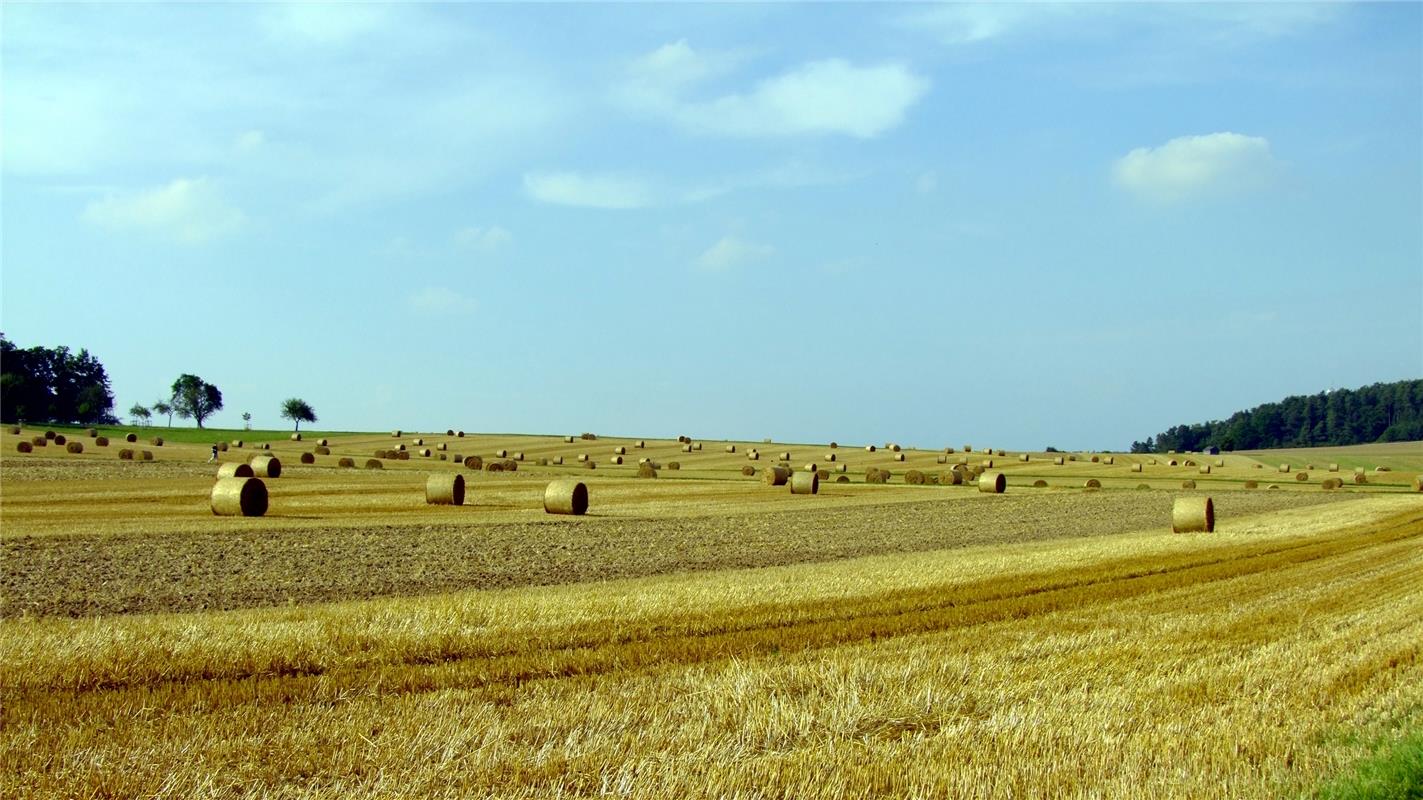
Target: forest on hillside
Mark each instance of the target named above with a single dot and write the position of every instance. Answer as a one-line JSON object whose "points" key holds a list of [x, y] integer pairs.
{"points": [[1382, 412]]}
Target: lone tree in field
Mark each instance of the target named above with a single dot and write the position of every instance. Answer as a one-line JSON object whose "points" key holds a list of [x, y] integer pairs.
{"points": [[196, 398], [298, 410], [164, 408], [140, 414], [247, 420]]}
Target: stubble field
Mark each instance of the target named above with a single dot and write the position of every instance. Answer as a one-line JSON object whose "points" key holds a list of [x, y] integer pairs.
{"points": [[701, 634]]}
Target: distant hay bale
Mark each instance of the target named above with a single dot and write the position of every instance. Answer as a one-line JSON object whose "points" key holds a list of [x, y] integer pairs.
{"points": [[221, 447], [869, 448], [841, 467], [1383, 469], [101, 441], [942, 459], [992, 483], [566, 497], [403, 455], [1058, 461], [962, 461], [1333, 467], [1205, 469], [1193, 515], [519, 455], [1072, 458], [238, 497], [125, 454], [1024, 457], [24, 447], [1189, 463], [424, 452], [1301, 476], [641, 444], [1418, 483], [987, 463], [968, 448], [39, 441], [296, 437], [400, 448], [444, 489], [442, 446], [1092, 483], [568, 440], [829, 456], [449, 431], [266, 466], [914, 477], [1000, 453], [776, 475], [459, 434], [1108, 459], [1136, 467], [1309, 466], [843, 479], [616, 459], [748, 470], [1258, 466], [14, 430], [1252, 484], [373, 463], [898, 456], [805, 483], [834, 445], [646, 470], [895, 448], [1151, 462], [58, 440], [620, 450], [731, 448], [557, 460], [324, 442], [266, 446], [811, 467], [877, 475], [786, 456], [1284, 468], [1330, 484], [144, 455], [674, 465], [950, 478], [308, 458], [753, 456], [383, 454], [1095, 459], [74, 447], [444, 457], [494, 466], [91, 432], [686, 448], [590, 464], [1039, 484], [1220, 462], [948, 451], [418, 442], [235, 469], [684, 440], [501, 453], [510, 465], [323, 451], [347, 463], [1188, 484], [582, 457], [396, 434], [823, 474], [1171, 463], [50, 434], [696, 445]]}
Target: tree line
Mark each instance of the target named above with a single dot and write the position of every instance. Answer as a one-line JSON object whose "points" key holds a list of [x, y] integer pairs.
{"points": [[1381, 412], [57, 385]]}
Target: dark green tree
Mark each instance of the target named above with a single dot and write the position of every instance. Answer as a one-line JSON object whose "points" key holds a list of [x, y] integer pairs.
{"points": [[298, 410], [58, 385], [195, 398], [140, 414], [165, 408]]}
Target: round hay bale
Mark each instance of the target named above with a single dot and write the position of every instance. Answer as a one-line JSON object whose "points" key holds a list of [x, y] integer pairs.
{"points": [[501, 453], [1096, 459], [296, 437], [805, 483], [91, 432], [101, 441], [1188, 484], [14, 430], [1107, 460], [221, 447], [812, 467], [962, 461], [843, 479], [1252, 484], [396, 434], [449, 431], [568, 440], [869, 448], [1058, 461], [697, 446], [59, 439], [566, 497], [786, 456], [748, 470], [834, 445], [1024, 457], [620, 450], [400, 448], [418, 442], [1309, 467], [1092, 483], [753, 456], [494, 466], [130, 437], [1284, 468], [519, 455], [686, 448], [1273, 486], [674, 465], [324, 442], [383, 454], [346, 463], [1333, 467], [444, 457], [557, 460], [1143, 486], [894, 448], [1188, 463], [1072, 458], [1136, 468], [510, 465], [307, 458], [1151, 462], [993, 483], [442, 446], [731, 448], [125, 454], [444, 489], [24, 447], [645, 470], [268, 446], [1205, 469], [829, 456], [616, 460], [1301, 476], [322, 451], [235, 469], [1039, 484], [1000, 453], [877, 475], [402, 455], [1193, 515], [144, 455], [1383, 469], [50, 434], [1330, 484], [914, 477], [1418, 483], [898, 456], [641, 444], [776, 475], [459, 434], [374, 463], [239, 497], [823, 474], [266, 466], [1220, 462], [951, 478], [582, 457], [987, 463], [942, 459], [74, 447], [1171, 462]]}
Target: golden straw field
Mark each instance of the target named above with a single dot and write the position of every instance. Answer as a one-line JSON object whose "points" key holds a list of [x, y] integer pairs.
{"points": [[702, 634]]}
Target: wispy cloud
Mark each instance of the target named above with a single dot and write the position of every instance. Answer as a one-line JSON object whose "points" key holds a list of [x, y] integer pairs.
{"points": [[589, 190], [324, 23], [188, 210], [830, 96], [486, 239], [440, 300], [1194, 166], [730, 252]]}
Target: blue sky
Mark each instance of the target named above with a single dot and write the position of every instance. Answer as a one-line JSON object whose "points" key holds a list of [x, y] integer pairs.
{"points": [[1012, 225]]}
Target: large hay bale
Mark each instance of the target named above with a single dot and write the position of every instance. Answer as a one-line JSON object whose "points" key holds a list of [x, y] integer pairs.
{"points": [[1188, 463], [869, 448], [993, 483], [346, 463], [1092, 483], [620, 450], [24, 447], [1039, 484], [144, 455], [616, 460], [786, 456], [987, 463], [459, 434], [221, 447], [1188, 484], [1151, 462], [776, 475], [264, 466], [125, 454], [941, 459], [510, 465], [894, 448], [731, 448], [568, 440], [400, 448], [307, 458], [130, 437], [823, 474], [1108, 460], [566, 497], [444, 489], [696, 445], [1220, 462], [50, 434], [442, 446], [402, 455], [877, 475], [494, 466], [1136, 467], [646, 470], [418, 442], [424, 452], [1171, 462], [1301, 476], [501, 453], [373, 463], [582, 457], [101, 441], [962, 461], [1284, 468], [239, 497], [59, 439], [518, 455], [686, 448], [1024, 457], [444, 457], [641, 444], [1205, 469], [748, 470], [805, 483], [1330, 484], [1333, 467], [1057, 461], [396, 434], [1192, 515], [296, 437], [323, 451], [834, 445], [74, 447], [1096, 459], [235, 469], [898, 456], [842, 468], [558, 460], [753, 456], [914, 477], [968, 448], [449, 431], [829, 456], [843, 479], [268, 446]]}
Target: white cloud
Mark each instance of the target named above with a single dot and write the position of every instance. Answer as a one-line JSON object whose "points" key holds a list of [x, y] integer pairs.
{"points": [[440, 300], [188, 210], [481, 238], [831, 96], [731, 252], [1191, 166], [975, 22], [324, 23], [589, 190]]}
